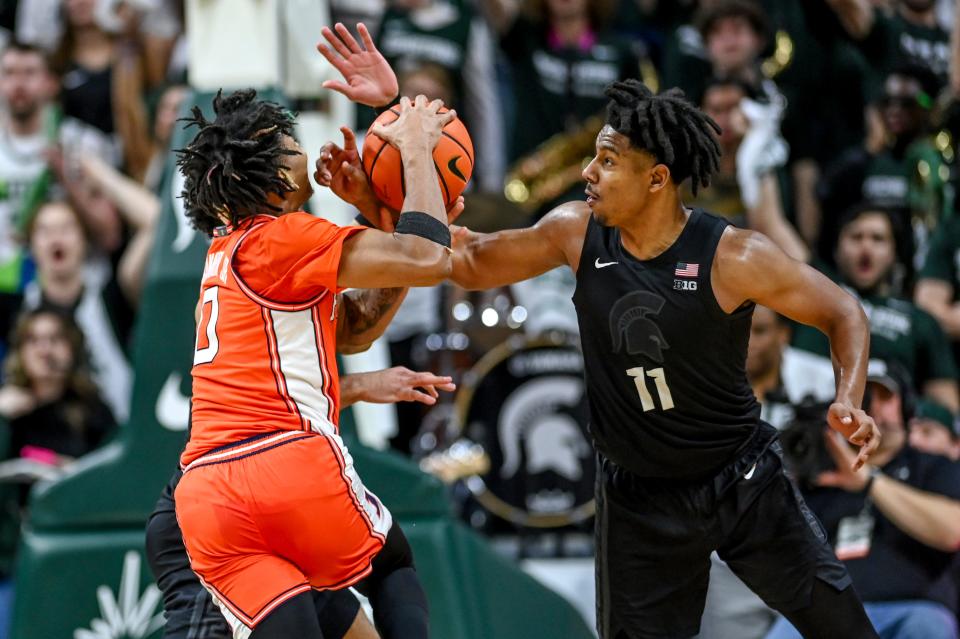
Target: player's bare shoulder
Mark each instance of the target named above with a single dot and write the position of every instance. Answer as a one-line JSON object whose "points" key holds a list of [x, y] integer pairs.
{"points": [[742, 248], [566, 227], [745, 261]]}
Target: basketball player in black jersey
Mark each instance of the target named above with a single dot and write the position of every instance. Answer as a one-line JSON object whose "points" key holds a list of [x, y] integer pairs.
{"points": [[664, 299]]}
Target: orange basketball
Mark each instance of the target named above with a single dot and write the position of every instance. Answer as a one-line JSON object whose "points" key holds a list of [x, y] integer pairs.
{"points": [[453, 159]]}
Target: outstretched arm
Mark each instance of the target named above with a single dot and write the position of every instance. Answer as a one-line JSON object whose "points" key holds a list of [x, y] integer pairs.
{"points": [[486, 260], [374, 259], [750, 267]]}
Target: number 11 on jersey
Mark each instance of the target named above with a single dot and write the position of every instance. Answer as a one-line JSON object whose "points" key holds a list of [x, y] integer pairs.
{"points": [[659, 379]]}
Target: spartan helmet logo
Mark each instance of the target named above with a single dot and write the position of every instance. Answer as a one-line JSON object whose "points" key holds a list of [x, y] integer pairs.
{"points": [[552, 438], [629, 322]]}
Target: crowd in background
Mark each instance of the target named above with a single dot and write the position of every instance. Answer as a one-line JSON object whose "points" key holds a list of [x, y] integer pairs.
{"points": [[839, 123]]}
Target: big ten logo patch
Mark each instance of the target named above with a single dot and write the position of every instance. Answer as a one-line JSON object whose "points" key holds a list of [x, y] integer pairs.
{"points": [[684, 285]]}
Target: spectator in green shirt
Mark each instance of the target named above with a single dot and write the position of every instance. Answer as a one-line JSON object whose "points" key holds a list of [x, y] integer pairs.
{"points": [[899, 168], [911, 34], [561, 58], [938, 285], [899, 330], [726, 40]]}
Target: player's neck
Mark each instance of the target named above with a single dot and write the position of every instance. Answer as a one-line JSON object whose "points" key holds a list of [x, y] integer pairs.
{"points": [[654, 229], [288, 204]]}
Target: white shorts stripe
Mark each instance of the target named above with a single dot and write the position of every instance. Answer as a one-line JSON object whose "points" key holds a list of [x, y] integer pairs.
{"points": [[378, 517]]}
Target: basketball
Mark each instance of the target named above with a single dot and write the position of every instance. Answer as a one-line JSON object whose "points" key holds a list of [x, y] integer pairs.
{"points": [[452, 157]]}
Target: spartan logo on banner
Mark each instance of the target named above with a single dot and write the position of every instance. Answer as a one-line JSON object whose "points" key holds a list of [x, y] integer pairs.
{"points": [[529, 412]]}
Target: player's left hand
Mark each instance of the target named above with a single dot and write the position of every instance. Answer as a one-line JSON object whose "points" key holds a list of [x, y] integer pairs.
{"points": [[368, 77], [857, 427], [849, 475]]}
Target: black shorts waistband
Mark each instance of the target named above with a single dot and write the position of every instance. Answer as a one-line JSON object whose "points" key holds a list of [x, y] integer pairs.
{"points": [[721, 478]]}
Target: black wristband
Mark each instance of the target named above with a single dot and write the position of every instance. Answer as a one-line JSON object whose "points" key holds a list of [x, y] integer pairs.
{"points": [[381, 109], [426, 226], [362, 221]]}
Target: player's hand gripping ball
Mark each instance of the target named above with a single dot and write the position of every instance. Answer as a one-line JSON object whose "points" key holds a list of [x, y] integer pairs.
{"points": [[452, 157]]}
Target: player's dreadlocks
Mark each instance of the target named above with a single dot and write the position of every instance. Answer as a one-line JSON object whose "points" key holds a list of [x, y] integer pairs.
{"points": [[236, 161], [670, 128]]}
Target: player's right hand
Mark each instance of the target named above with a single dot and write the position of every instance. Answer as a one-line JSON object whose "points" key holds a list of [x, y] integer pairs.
{"points": [[339, 169], [419, 126], [857, 427]]}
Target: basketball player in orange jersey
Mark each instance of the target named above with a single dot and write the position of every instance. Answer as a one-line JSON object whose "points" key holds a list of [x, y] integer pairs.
{"points": [[270, 504]]}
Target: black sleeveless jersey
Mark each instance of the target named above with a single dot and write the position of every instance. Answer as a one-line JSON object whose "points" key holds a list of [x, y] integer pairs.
{"points": [[664, 364]]}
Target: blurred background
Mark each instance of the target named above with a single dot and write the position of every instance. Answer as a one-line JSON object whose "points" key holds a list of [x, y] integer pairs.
{"points": [[839, 124]]}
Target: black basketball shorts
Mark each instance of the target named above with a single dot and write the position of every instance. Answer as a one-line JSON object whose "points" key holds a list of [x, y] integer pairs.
{"points": [[654, 539], [189, 609]]}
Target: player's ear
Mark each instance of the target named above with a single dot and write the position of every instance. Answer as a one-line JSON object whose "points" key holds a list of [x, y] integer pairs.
{"points": [[659, 177]]}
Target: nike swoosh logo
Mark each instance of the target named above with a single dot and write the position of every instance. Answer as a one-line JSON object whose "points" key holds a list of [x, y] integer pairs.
{"points": [[750, 472], [452, 167], [173, 407], [600, 264]]}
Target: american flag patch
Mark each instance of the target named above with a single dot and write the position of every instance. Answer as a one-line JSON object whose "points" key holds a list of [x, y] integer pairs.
{"points": [[687, 270]]}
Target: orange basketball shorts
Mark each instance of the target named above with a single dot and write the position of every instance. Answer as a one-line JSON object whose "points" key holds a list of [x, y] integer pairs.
{"points": [[271, 517]]}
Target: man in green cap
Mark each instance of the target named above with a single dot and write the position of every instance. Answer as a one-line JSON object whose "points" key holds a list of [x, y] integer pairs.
{"points": [[933, 430]]}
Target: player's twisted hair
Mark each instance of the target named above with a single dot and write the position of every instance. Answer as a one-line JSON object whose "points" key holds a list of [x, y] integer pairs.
{"points": [[674, 131], [236, 161]]}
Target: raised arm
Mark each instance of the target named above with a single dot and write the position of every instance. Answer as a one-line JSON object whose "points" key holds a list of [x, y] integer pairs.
{"points": [[412, 256], [368, 78], [140, 209], [750, 267], [486, 260], [935, 296]]}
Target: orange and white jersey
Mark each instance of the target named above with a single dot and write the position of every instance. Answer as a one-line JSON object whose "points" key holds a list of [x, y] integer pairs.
{"points": [[265, 356]]}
